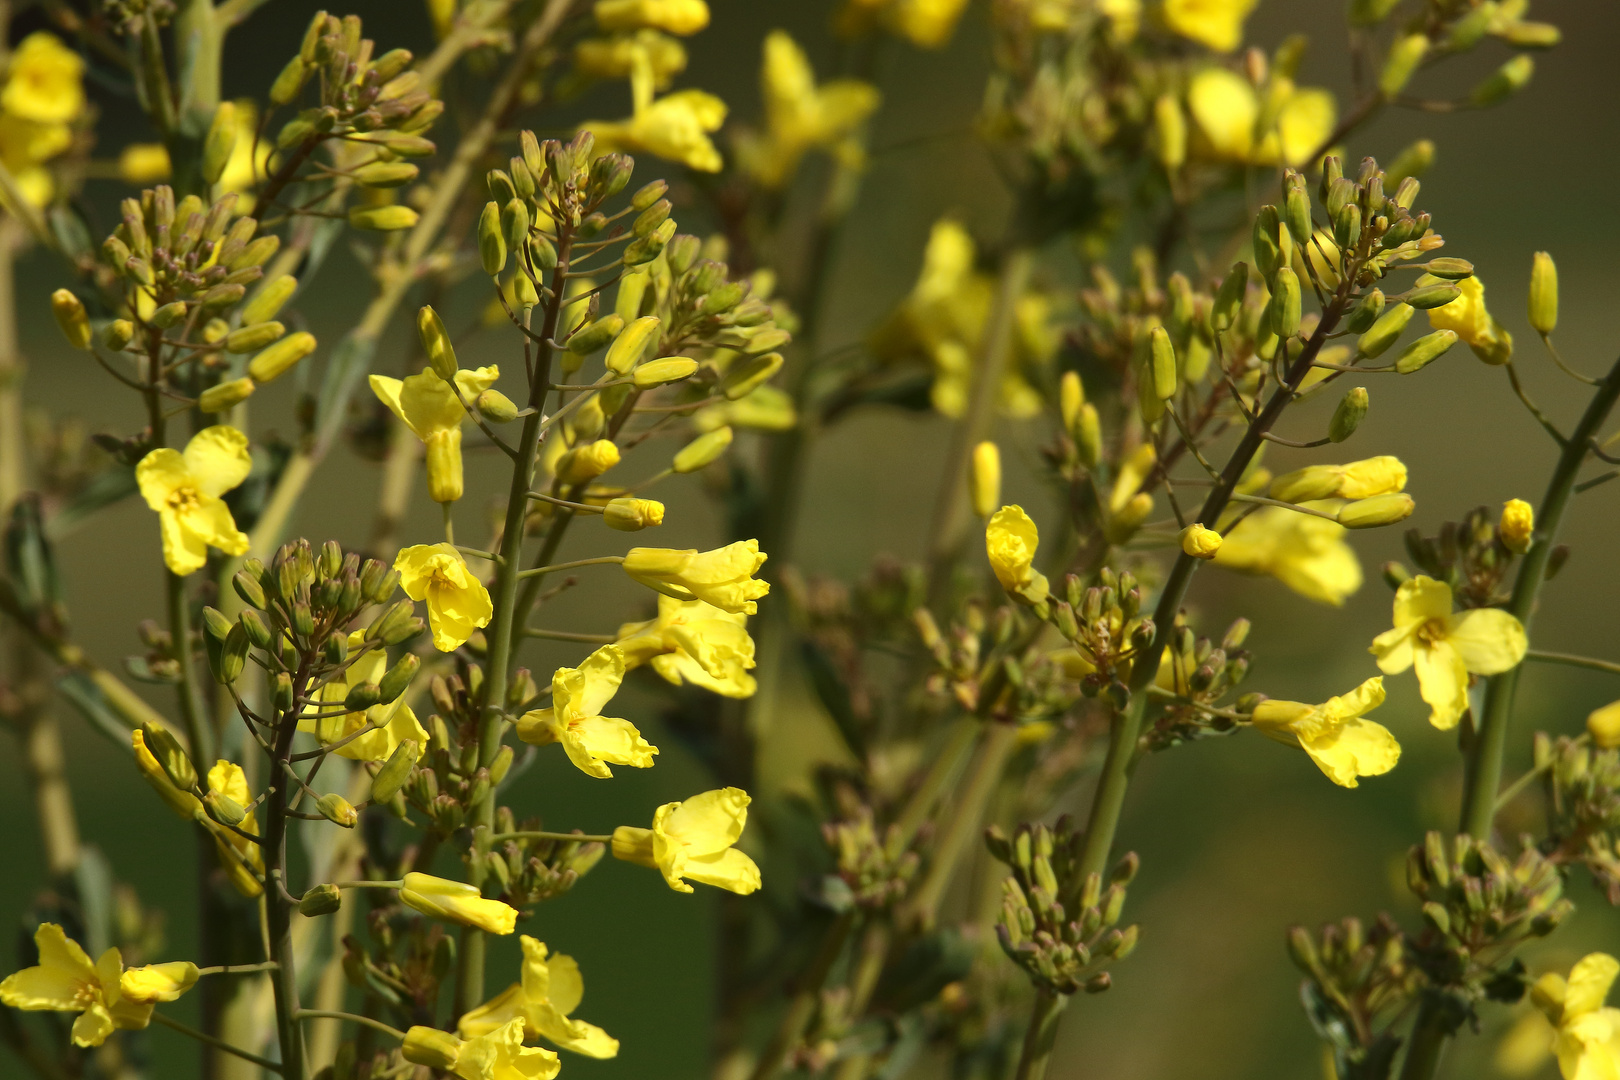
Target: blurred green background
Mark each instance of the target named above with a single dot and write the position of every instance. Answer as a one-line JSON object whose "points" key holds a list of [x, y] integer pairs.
{"points": [[1240, 837]]}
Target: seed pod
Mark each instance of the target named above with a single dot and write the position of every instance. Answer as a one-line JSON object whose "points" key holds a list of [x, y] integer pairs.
{"points": [[71, 317], [385, 174], [1425, 350], [702, 451], [658, 372], [1229, 297], [220, 142], [1365, 313], [1348, 416], [398, 678], [1384, 332], [1285, 303], [275, 360], [268, 301], [382, 218], [631, 344], [1543, 293], [744, 377]]}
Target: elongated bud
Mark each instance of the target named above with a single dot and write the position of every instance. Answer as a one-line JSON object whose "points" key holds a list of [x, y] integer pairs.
{"points": [[362, 696], [432, 1047], [649, 194], [173, 760], [746, 376], [1297, 213], [702, 451], [1543, 293], [1349, 415], [632, 515], [631, 344], [289, 82], [1450, 269], [1229, 297], [496, 407], [71, 317], [1410, 163], [219, 142], [1508, 80], [1071, 395], [1170, 132], [336, 809], [395, 771], [386, 174], [1424, 351], [268, 301], [253, 338], [515, 224], [1266, 251], [1402, 63], [1425, 297], [383, 218], [436, 343], [1517, 527], [984, 479], [320, 900], [1088, 434], [398, 677], [1285, 303], [587, 339], [168, 315], [1365, 313], [221, 807], [491, 240], [1162, 356], [1385, 331], [658, 372], [587, 461], [1377, 511], [1199, 542], [1347, 227], [274, 361]]}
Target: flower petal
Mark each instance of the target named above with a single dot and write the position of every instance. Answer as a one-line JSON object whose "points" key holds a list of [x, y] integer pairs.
{"points": [[1443, 681], [1589, 983], [159, 474], [730, 869], [710, 822], [218, 459], [1421, 599], [1354, 749], [1489, 640]]}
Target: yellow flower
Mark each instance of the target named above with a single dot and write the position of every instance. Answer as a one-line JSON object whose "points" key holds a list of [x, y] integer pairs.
{"points": [[549, 990], [591, 740], [1343, 745], [456, 901], [457, 601], [1306, 553], [1587, 1042], [24, 146], [250, 157], [693, 839], [1225, 108], [395, 722], [1445, 647], [799, 115], [45, 82], [1469, 319], [158, 982], [1517, 526], [241, 858], [184, 804], [617, 57], [1010, 541], [185, 489], [1228, 112], [675, 127], [723, 577], [498, 1055], [144, 163], [1603, 724], [1215, 23], [691, 641], [430, 408], [683, 17], [1357, 480], [66, 981], [928, 24]]}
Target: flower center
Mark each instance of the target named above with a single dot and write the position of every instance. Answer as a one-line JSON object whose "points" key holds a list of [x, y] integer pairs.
{"points": [[87, 994], [184, 499], [1432, 631]]}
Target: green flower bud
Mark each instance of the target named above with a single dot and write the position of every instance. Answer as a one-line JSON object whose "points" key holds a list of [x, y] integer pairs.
{"points": [[1347, 227], [1365, 313], [515, 223], [1410, 163], [436, 344], [1425, 297], [173, 760], [1424, 351], [222, 807], [385, 174], [362, 696], [1162, 361], [321, 900], [275, 360], [171, 314], [1229, 297], [395, 771], [649, 194], [645, 249], [1348, 416], [746, 376], [1285, 303], [702, 451], [290, 82], [1385, 331], [1377, 511], [496, 407], [71, 317], [1508, 80], [253, 338], [491, 240], [651, 218], [226, 395], [383, 218], [398, 677], [631, 344], [220, 142], [1267, 254], [268, 301], [221, 297], [587, 339], [1402, 63], [1297, 212], [119, 333], [542, 255], [1543, 293], [658, 372]]}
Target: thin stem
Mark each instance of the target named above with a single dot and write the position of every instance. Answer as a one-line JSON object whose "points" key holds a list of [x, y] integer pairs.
{"points": [[563, 635], [238, 969], [353, 1018], [368, 884], [219, 1044], [1572, 660], [542, 571], [1042, 1034], [536, 834]]}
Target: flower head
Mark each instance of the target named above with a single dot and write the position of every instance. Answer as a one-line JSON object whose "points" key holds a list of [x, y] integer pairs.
{"points": [[675, 127], [496, 1055], [1217, 24], [691, 641], [723, 577], [1587, 1042], [800, 115], [1343, 744], [591, 740], [1010, 540], [44, 82], [66, 981], [457, 601], [1227, 112], [430, 408], [394, 722], [693, 839], [185, 489], [550, 989], [683, 17], [456, 901], [1468, 318], [1517, 527], [1446, 647], [1306, 553]]}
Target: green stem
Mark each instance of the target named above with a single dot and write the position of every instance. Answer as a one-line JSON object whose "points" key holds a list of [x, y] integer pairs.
{"points": [[219, 1044], [1042, 1034], [353, 1018], [542, 571], [278, 912], [1482, 774], [806, 996], [1572, 661], [536, 834], [199, 731], [1427, 1042]]}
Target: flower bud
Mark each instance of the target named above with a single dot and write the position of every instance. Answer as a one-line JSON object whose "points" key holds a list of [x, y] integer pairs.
{"points": [[1543, 293], [1508, 80], [1424, 351], [221, 807], [1297, 214], [362, 696], [1267, 253], [496, 407], [71, 317], [289, 82], [1402, 63], [1385, 331], [1162, 358], [703, 450], [252, 622], [268, 301], [1377, 511], [651, 218], [984, 479], [587, 461], [515, 224], [1410, 163], [431, 1047], [649, 194], [170, 757], [667, 370], [1199, 542], [631, 344], [336, 809], [276, 359], [219, 142], [456, 902], [119, 333], [1285, 303], [1348, 416], [253, 338], [1425, 297], [1517, 527], [491, 240], [746, 376], [1347, 227], [436, 344], [1365, 313], [390, 218], [171, 314], [1604, 726], [398, 677], [587, 339], [321, 900], [632, 515], [395, 771], [1170, 132], [1088, 434], [1229, 297]]}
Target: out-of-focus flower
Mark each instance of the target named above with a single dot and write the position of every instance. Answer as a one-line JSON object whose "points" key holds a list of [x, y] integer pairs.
{"points": [[800, 116]]}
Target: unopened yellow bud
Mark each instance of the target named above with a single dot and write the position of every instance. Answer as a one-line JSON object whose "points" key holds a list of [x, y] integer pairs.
{"points": [[632, 515], [1377, 511], [1348, 416], [275, 360], [457, 902], [268, 301], [431, 1047], [383, 218], [141, 164], [1162, 355], [1517, 527], [669, 369], [1507, 80], [985, 479], [1129, 517], [441, 354], [1199, 542], [1382, 475], [1543, 293], [746, 376], [680, 17], [1071, 395], [585, 463], [1402, 63], [219, 143], [631, 344], [496, 407], [444, 475], [1170, 132], [253, 338], [71, 317], [336, 809], [227, 395], [119, 333], [1286, 308], [1604, 725], [1087, 433], [703, 450]]}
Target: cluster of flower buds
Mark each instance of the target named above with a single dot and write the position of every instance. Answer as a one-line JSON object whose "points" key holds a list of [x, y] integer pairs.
{"points": [[1479, 906], [872, 867], [1474, 555], [1199, 673], [1454, 29], [1582, 785], [374, 109], [1105, 624], [448, 779], [967, 652], [532, 869], [1357, 979], [409, 960], [1059, 926]]}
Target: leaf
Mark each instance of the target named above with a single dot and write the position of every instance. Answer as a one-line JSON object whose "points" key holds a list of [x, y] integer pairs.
{"points": [[30, 564]]}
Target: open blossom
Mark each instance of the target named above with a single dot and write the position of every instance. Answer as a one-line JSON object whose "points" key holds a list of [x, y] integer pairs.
{"points": [[496, 1055], [723, 577], [1227, 112], [693, 642], [43, 93], [394, 722], [1587, 1039], [550, 989], [1446, 647], [1215, 23], [184, 487], [591, 740], [1304, 552], [1010, 541], [800, 115], [693, 839], [456, 901], [1344, 745], [430, 407], [457, 601], [106, 997], [1468, 318]]}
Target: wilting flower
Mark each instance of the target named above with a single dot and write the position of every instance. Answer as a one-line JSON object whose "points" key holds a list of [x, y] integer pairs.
{"points": [[1469, 319], [1343, 744], [550, 989], [591, 740], [693, 839], [691, 641], [185, 489], [457, 601]]}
